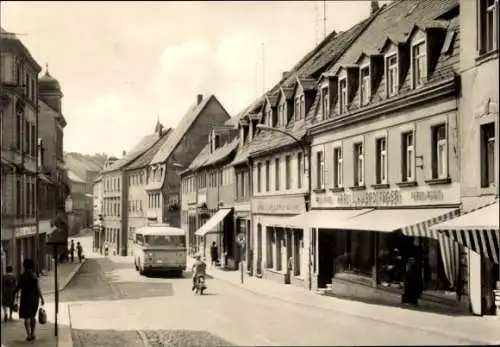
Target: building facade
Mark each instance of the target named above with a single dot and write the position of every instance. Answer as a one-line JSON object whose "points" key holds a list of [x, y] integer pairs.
{"points": [[97, 213], [385, 158], [78, 203], [176, 154], [31, 135], [208, 194]]}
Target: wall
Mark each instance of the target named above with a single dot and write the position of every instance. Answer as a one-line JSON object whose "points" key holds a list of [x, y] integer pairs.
{"points": [[478, 103]]}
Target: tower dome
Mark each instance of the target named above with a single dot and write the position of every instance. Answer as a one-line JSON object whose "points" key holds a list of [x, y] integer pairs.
{"points": [[49, 90]]}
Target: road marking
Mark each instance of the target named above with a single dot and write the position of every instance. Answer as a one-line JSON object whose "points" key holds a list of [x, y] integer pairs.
{"points": [[143, 338]]}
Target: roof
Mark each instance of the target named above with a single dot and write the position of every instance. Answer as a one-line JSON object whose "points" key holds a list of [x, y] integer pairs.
{"points": [[147, 156], [98, 178], [180, 131], [73, 177], [205, 158], [396, 22], [160, 229], [11, 37], [146, 142]]}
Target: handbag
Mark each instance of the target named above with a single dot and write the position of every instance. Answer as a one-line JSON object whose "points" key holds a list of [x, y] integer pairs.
{"points": [[42, 316], [15, 304]]}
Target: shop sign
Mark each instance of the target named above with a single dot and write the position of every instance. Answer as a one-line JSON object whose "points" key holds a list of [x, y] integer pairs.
{"points": [[279, 205], [390, 197], [25, 231]]}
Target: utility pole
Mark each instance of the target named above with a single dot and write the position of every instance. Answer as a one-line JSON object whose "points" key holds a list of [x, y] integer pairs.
{"points": [[263, 70], [324, 19], [256, 78]]}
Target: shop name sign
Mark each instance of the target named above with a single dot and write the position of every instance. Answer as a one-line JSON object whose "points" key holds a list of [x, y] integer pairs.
{"points": [[25, 231], [278, 205], [376, 198]]}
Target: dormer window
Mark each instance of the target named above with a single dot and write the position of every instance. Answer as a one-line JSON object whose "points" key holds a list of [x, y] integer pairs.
{"points": [[343, 96], [216, 141], [297, 108], [365, 90], [325, 102], [419, 64], [282, 115], [302, 106], [392, 75]]}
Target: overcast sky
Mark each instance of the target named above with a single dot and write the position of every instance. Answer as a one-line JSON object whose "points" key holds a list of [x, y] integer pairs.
{"points": [[120, 64]]}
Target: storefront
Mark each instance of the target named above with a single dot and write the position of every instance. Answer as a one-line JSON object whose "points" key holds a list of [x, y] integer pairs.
{"points": [[478, 232], [242, 225], [212, 229], [367, 239], [281, 250]]}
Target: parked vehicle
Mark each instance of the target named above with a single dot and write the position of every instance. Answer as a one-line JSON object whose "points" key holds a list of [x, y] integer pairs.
{"points": [[160, 248]]}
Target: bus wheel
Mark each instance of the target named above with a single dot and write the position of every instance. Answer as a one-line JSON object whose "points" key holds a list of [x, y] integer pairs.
{"points": [[180, 273]]}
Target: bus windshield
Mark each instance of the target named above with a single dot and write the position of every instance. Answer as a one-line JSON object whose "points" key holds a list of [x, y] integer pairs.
{"points": [[164, 240]]}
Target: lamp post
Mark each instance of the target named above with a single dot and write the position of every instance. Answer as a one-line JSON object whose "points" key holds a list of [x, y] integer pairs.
{"points": [[309, 185]]}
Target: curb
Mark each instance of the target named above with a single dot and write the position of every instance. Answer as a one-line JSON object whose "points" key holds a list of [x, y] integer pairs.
{"points": [[394, 322], [69, 278]]}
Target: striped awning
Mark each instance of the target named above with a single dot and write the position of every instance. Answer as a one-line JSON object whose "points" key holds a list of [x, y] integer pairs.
{"points": [[477, 230]]}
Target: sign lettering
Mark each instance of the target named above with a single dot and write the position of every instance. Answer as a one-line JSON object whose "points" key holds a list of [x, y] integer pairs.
{"points": [[276, 205], [430, 195], [376, 198]]}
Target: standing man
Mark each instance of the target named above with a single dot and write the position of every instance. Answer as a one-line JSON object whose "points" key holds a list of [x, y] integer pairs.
{"points": [[79, 251], [72, 251], [214, 254]]}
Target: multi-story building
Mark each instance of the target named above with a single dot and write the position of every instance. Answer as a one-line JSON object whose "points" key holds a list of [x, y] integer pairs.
{"points": [[32, 172], [97, 213], [385, 156], [181, 147], [136, 173], [478, 230], [116, 199], [207, 194], [78, 203]]}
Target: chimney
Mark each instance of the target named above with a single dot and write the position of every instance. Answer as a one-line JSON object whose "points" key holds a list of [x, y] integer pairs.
{"points": [[283, 74], [374, 6], [199, 99]]}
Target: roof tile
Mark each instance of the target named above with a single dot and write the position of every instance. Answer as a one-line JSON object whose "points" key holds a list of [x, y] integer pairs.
{"points": [[143, 145], [145, 159]]}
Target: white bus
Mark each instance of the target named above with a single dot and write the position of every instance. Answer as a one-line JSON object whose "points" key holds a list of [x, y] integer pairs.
{"points": [[160, 248]]}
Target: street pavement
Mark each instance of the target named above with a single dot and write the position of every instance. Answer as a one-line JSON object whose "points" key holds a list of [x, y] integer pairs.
{"points": [[110, 304]]}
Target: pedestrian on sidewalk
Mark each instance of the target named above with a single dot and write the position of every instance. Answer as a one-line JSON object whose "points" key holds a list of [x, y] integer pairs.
{"points": [[79, 251], [214, 254], [72, 251], [9, 285], [412, 284], [31, 296]]}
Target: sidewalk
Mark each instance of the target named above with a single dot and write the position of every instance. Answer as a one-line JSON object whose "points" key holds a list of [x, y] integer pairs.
{"points": [[485, 330], [65, 273]]}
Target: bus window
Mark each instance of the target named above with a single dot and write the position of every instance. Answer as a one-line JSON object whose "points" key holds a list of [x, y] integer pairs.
{"points": [[139, 239], [165, 240]]}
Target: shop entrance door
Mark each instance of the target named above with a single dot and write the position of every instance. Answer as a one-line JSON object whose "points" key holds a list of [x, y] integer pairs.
{"points": [[325, 258]]}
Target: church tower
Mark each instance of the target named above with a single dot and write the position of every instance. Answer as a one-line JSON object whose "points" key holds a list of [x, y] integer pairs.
{"points": [[49, 91]]}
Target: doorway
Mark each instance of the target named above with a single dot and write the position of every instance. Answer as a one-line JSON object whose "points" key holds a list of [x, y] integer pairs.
{"points": [[326, 243], [259, 249]]}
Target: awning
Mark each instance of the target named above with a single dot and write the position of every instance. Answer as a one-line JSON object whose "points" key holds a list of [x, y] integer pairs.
{"points": [[477, 230], [322, 219], [213, 221]]}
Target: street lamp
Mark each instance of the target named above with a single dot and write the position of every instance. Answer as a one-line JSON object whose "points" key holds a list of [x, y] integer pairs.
{"points": [[309, 181]]}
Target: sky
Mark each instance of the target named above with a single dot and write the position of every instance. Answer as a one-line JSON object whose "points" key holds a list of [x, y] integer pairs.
{"points": [[123, 65]]}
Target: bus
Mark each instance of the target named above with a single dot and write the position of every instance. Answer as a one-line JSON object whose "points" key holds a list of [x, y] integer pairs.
{"points": [[160, 248]]}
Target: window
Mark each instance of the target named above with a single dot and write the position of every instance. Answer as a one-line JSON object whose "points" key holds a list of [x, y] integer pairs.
{"points": [[300, 171], [343, 96], [439, 152], [297, 108], [19, 131], [33, 141], [325, 103], [381, 165], [288, 174], [359, 164], [365, 88], [320, 175], [487, 21], [408, 158], [302, 106], [277, 174], [488, 147], [338, 168], [392, 75], [27, 128], [259, 177], [419, 64], [268, 178], [269, 118]]}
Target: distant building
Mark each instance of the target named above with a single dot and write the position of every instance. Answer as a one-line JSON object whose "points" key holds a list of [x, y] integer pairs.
{"points": [[78, 204], [97, 203]]}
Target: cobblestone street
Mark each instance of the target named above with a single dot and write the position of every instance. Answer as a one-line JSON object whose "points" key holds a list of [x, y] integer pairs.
{"points": [[112, 305]]}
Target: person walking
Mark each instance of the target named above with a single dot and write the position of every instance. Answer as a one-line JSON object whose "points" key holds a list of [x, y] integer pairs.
{"points": [[72, 251], [8, 297], [79, 251], [31, 296], [214, 254], [412, 284]]}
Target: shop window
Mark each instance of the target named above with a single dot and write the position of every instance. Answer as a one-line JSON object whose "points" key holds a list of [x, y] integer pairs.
{"points": [[277, 174], [279, 249], [320, 171], [268, 176], [408, 158], [381, 164], [488, 148], [487, 22], [365, 86], [300, 170], [270, 245], [439, 152], [259, 177], [392, 75], [288, 173], [298, 238], [419, 64], [343, 96], [338, 167], [359, 165], [354, 253]]}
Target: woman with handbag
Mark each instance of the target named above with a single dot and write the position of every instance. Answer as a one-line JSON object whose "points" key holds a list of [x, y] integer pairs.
{"points": [[31, 296]]}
